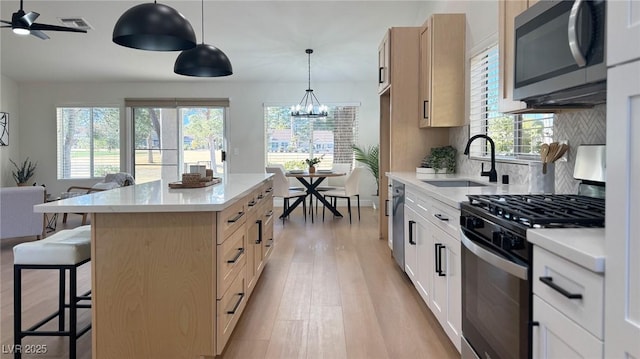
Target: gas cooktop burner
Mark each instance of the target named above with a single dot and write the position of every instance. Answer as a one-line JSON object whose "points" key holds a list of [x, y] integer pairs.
{"points": [[543, 211]]}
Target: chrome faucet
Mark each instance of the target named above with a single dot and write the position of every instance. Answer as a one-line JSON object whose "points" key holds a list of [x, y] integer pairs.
{"points": [[493, 175]]}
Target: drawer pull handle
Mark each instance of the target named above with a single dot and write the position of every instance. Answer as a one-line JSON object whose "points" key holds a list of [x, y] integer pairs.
{"points": [[236, 218], [441, 217], [270, 213], [549, 281], [252, 203], [411, 240], [268, 190], [235, 307], [259, 240], [235, 259], [260, 196]]}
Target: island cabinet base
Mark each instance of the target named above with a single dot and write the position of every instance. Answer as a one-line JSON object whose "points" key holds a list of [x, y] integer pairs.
{"points": [[174, 285], [153, 285]]}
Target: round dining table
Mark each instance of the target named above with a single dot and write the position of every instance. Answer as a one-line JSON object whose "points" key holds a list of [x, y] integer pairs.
{"points": [[311, 185]]}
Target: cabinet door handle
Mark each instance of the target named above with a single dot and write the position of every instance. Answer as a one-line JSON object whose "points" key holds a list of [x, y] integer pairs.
{"points": [[441, 217], [425, 109], [235, 259], [236, 218], [259, 240], [549, 281], [411, 241], [386, 208], [441, 273], [380, 69], [235, 307]]}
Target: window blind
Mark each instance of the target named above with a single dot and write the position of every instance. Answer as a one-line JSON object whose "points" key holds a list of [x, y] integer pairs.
{"points": [[516, 137]]}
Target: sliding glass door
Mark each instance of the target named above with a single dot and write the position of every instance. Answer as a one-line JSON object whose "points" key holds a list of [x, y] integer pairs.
{"points": [[168, 140]]}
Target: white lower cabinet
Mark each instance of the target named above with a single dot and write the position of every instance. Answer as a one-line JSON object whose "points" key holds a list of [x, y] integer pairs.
{"points": [[432, 259], [567, 308], [411, 219], [557, 336]]}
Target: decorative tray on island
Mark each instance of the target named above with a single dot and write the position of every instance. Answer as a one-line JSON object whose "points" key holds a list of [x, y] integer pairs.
{"points": [[202, 183]]}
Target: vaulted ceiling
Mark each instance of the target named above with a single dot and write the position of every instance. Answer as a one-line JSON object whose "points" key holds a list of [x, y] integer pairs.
{"points": [[265, 40]]}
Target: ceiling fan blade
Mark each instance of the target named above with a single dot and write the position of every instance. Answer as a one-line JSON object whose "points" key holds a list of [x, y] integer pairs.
{"points": [[5, 22], [39, 34], [30, 17], [8, 26], [45, 27]]}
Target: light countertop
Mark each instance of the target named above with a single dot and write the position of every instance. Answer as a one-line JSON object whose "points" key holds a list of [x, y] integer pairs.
{"points": [[453, 196], [158, 197], [583, 246]]}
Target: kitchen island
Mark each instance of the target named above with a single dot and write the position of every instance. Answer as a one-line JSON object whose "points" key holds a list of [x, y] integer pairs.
{"points": [[172, 269]]}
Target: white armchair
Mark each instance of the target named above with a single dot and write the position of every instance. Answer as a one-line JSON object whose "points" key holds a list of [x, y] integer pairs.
{"points": [[17, 218]]}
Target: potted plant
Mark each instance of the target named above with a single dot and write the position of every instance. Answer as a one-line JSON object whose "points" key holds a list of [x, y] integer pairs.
{"points": [[370, 157], [441, 157], [21, 174], [312, 162]]}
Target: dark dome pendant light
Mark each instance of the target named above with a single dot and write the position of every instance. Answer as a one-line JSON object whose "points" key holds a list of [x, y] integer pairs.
{"points": [[154, 27], [203, 60]]}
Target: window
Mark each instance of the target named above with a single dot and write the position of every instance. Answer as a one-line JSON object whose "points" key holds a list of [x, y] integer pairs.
{"points": [[290, 140], [517, 137], [88, 141], [172, 134]]}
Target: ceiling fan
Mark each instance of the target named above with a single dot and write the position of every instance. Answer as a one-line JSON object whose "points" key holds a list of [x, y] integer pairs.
{"points": [[23, 24]]}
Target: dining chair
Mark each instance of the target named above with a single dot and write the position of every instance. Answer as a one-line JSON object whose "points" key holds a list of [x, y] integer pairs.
{"points": [[334, 183], [351, 189], [281, 189]]}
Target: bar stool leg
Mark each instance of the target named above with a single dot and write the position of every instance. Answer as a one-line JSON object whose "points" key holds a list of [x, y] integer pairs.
{"points": [[61, 295], [17, 309], [73, 320]]}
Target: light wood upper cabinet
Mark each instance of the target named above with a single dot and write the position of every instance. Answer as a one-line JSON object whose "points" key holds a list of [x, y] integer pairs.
{"points": [[442, 71], [507, 12], [384, 60]]}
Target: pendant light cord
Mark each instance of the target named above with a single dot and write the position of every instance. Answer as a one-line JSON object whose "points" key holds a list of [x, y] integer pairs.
{"points": [[202, 22], [309, 63]]}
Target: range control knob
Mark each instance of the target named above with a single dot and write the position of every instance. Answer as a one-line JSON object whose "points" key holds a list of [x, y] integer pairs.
{"points": [[471, 222], [509, 242]]}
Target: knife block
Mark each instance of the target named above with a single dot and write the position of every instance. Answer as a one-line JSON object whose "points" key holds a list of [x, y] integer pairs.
{"points": [[541, 182]]}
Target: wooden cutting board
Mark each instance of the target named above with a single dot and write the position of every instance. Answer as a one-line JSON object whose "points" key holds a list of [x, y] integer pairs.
{"points": [[179, 184]]}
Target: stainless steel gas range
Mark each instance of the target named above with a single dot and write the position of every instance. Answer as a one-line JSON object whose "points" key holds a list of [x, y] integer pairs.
{"points": [[496, 261]]}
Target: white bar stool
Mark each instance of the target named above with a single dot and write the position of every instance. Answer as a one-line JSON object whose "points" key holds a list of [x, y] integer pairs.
{"points": [[64, 250]]}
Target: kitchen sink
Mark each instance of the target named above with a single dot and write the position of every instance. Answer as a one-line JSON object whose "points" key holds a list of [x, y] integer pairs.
{"points": [[454, 183]]}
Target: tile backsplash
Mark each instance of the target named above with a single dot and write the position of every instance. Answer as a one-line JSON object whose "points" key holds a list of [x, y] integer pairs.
{"points": [[576, 127]]}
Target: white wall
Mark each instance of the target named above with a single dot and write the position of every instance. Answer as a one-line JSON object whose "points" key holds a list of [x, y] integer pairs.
{"points": [[246, 125], [9, 103]]}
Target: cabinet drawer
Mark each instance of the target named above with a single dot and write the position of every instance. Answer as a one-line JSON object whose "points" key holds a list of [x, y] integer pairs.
{"points": [[253, 200], [230, 219], [557, 336], [266, 211], [445, 217], [562, 275], [417, 202], [229, 308], [231, 260], [267, 241]]}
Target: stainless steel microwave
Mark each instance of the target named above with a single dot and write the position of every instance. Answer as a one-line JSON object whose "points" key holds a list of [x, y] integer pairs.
{"points": [[560, 54]]}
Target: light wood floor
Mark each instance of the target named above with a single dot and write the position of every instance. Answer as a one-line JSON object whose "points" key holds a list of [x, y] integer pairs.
{"points": [[330, 290]]}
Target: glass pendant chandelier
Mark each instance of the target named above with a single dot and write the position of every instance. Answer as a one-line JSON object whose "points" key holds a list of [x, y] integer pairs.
{"points": [[309, 106]]}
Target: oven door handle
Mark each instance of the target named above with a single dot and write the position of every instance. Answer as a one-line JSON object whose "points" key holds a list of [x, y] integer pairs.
{"points": [[494, 259]]}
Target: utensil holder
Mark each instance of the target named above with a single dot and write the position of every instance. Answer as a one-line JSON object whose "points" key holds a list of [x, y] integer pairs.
{"points": [[540, 182]]}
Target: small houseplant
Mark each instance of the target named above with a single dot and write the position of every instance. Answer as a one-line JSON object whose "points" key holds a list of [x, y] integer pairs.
{"points": [[312, 162], [21, 174], [370, 157], [441, 157]]}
